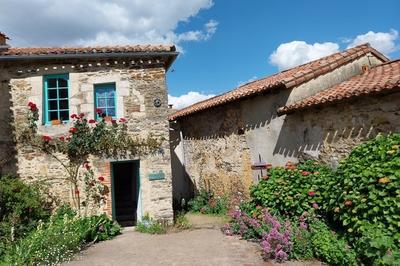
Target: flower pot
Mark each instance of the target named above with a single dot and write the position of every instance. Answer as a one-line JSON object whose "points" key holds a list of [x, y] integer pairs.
{"points": [[56, 122], [108, 118]]}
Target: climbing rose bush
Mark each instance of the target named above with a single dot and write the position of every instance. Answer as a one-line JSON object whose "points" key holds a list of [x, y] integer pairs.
{"points": [[85, 138]]}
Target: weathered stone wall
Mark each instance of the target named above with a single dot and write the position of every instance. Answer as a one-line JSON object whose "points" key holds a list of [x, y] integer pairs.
{"points": [[214, 150], [136, 89], [216, 156], [330, 133], [7, 151]]}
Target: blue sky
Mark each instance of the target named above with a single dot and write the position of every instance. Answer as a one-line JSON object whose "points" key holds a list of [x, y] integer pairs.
{"points": [[223, 43], [247, 34]]}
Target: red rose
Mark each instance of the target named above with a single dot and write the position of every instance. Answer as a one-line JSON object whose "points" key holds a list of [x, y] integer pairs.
{"points": [[122, 120], [32, 106], [305, 173], [311, 193], [68, 138], [86, 165], [101, 179], [99, 111], [46, 138], [73, 116], [62, 138], [81, 115], [114, 121], [348, 203], [92, 121], [73, 130]]}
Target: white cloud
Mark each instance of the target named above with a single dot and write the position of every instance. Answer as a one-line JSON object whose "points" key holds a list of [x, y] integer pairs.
{"points": [[253, 78], [294, 53], [91, 22], [187, 99], [384, 42]]}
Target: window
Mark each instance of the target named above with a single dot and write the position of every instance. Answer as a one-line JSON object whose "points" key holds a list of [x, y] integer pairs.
{"points": [[56, 98], [105, 99]]}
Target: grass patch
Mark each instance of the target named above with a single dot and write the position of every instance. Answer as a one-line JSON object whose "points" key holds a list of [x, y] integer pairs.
{"points": [[150, 226]]}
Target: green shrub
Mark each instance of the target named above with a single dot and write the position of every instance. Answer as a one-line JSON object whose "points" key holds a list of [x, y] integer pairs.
{"points": [[21, 208], [367, 188], [150, 226], [377, 247], [205, 202], [302, 248], [328, 247], [292, 190], [58, 239], [181, 222]]}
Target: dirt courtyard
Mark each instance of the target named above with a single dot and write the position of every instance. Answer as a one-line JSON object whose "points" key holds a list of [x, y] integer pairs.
{"points": [[190, 247]]}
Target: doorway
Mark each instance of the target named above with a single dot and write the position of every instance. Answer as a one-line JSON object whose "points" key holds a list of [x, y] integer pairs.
{"points": [[125, 191]]}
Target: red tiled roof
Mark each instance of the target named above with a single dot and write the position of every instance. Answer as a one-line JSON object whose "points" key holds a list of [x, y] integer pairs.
{"points": [[379, 79], [29, 51], [288, 79]]}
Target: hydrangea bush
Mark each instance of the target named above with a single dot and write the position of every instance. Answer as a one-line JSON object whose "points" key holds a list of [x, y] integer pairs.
{"points": [[293, 189], [367, 188]]}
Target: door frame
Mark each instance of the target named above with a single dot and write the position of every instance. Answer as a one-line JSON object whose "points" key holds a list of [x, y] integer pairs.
{"points": [[136, 164]]}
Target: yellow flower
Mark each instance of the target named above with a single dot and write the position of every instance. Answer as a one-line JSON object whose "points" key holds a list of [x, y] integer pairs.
{"points": [[395, 147], [391, 152], [384, 180]]}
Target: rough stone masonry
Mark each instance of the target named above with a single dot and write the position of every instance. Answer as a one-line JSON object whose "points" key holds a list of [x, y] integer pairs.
{"points": [[138, 74]]}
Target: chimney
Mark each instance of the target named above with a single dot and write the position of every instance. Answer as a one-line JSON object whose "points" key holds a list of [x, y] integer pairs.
{"points": [[3, 41]]}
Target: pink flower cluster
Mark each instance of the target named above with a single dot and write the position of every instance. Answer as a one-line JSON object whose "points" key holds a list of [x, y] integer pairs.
{"points": [[276, 242]]}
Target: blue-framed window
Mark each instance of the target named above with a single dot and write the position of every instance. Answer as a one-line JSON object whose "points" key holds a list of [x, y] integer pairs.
{"points": [[105, 99], [56, 91]]}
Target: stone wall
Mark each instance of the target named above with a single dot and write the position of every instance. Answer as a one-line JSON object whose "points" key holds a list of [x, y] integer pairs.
{"points": [[215, 151], [136, 89], [7, 151], [330, 133], [220, 144]]}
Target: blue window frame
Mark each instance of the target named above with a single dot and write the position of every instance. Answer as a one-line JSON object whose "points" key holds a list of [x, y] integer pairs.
{"points": [[105, 99], [56, 91]]}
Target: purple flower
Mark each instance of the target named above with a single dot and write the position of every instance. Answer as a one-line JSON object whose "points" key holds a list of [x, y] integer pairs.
{"points": [[227, 230], [281, 255]]}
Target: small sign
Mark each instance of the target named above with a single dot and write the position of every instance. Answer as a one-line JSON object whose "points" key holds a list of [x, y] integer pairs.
{"points": [[260, 166], [156, 175]]}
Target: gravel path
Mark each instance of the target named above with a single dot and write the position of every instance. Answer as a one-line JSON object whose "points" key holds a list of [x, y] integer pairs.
{"points": [[190, 247]]}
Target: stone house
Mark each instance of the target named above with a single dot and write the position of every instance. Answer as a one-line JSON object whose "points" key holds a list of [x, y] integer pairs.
{"points": [[124, 81], [318, 110]]}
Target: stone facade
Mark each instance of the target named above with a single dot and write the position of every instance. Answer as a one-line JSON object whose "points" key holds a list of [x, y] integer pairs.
{"points": [[221, 143], [136, 88]]}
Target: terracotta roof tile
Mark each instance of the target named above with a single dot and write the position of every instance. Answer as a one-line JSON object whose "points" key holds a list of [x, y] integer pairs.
{"points": [[288, 79], [379, 79], [28, 51]]}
